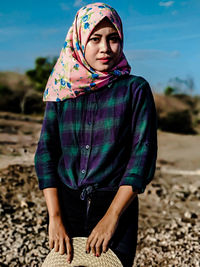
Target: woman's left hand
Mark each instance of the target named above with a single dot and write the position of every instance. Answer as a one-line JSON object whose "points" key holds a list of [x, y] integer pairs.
{"points": [[100, 236]]}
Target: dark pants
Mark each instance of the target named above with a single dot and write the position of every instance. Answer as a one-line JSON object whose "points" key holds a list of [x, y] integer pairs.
{"points": [[80, 221]]}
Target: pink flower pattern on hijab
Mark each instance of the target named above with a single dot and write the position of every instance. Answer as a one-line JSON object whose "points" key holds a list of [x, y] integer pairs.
{"points": [[71, 75]]}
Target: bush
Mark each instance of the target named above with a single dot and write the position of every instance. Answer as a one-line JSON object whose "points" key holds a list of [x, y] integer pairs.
{"points": [[32, 103], [5, 90], [43, 68], [177, 122], [8, 100], [20, 99], [169, 90]]}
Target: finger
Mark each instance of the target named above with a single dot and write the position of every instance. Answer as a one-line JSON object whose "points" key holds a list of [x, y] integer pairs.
{"points": [[105, 245], [89, 240], [92, 245], [69, 249], [62, 247], [51, 243], [99, 247], [56, 245]]}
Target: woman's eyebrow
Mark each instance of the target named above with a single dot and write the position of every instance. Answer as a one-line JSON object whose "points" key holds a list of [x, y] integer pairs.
{"points": [[110, 34], [114, 33], [96, 34]]}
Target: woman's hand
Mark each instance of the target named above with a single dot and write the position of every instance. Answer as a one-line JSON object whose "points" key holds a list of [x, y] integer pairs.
{"points": [[104, 230], [58, 238], [101, 234]]}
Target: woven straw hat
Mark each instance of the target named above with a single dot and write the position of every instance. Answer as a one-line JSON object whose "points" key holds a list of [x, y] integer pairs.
{"points": [[80, 258]]}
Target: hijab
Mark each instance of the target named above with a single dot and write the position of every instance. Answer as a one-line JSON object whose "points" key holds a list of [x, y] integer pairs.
{"points": [[72, 76]]}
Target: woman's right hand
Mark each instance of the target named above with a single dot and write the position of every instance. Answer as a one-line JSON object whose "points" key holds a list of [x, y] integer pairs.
{"points": [[58, 237]]}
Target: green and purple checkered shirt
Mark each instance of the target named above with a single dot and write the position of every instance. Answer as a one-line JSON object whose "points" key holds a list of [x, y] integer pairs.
{"points": [[107, 136]]}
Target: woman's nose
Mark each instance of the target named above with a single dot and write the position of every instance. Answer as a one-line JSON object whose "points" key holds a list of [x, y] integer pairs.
{"points": [[104, 46]]}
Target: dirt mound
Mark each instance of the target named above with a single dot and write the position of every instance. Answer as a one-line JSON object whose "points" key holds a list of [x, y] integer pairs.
{"points": [[166, 104], [178, 114], [13, 79]]}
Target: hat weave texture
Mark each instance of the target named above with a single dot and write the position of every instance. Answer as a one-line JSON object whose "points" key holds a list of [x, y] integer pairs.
{"points": [[80, 258]]}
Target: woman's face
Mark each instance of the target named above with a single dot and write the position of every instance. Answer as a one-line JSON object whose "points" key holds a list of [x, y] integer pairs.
{"points": [[103, 47]]}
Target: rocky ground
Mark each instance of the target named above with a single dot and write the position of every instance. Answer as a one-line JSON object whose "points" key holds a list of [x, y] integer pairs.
{"points": [[169, 228]]}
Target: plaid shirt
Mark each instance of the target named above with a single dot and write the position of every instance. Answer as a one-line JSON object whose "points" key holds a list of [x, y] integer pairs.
{"points": [[107, 136]]}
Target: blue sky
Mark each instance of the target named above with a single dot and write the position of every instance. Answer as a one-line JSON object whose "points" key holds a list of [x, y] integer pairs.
{"points": [[162, 38]]}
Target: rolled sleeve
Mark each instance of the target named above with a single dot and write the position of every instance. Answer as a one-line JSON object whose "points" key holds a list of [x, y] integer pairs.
{"points": [[142, 162], [48, 150]]}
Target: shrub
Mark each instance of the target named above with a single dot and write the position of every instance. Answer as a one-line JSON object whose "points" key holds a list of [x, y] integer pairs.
{"points": [[43, 68], [32, 103], [169, 90], [8, 100], [177, 122]]}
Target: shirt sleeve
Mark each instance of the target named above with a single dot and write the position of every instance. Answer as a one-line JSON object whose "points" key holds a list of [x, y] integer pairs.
{"points": [[142, 162], [48, 150]]}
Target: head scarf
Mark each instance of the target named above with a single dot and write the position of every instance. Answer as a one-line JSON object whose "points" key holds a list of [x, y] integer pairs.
{"points": [[71, 75]]}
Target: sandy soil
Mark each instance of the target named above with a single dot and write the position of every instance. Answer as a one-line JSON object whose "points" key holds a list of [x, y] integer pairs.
{"points": [[168, 223]]}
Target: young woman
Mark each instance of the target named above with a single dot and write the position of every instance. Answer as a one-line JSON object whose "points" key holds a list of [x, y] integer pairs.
{"points": [[98, 144]]}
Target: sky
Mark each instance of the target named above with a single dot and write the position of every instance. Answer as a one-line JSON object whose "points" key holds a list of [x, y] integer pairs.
{"points": [[161, 38]]}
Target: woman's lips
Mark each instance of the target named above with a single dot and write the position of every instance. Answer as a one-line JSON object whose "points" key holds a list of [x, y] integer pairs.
{"points": [[104, 59]]}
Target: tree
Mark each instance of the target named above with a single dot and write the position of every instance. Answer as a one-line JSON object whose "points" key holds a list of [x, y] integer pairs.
{"points": [[39, 76], [169, 90], [182, 86]]}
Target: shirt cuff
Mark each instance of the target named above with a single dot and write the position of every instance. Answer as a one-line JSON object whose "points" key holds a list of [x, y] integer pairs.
{"points": [[136, 182], [47, 184]]}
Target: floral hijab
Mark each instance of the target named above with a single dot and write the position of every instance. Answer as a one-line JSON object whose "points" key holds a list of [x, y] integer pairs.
{"points": [[71, 75]]}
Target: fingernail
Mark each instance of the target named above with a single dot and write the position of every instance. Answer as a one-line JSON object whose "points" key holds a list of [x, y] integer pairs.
{"points": [[86, 252], [97, 255]]}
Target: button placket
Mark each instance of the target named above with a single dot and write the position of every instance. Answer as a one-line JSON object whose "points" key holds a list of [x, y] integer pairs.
{"points": [[92, 103]]}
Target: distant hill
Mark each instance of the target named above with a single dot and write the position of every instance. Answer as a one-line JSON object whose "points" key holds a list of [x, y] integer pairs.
{"points": [[177, 113], [12, 79], [17, 94]]}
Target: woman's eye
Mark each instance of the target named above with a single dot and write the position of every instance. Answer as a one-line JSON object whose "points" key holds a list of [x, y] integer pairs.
{"points": [[94, 39], [114, 39]]}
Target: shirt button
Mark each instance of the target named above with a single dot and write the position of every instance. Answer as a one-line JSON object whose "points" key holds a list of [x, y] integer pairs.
{"points": [[83, 171], [87, 146]]}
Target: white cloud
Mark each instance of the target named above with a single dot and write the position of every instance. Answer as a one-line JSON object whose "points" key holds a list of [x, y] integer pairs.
{"points": [[8, 33], [174, 12], [150, 54], [46, 32], [184, 3], [172, 39], [157, 26], [166, 4], [79, 3], [64, 6]]}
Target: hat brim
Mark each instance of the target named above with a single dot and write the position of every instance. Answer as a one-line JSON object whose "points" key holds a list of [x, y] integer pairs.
{"points": [[80, 258]]}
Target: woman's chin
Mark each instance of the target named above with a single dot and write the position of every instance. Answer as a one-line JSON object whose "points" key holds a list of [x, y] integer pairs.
{"points": [[104, 68]]}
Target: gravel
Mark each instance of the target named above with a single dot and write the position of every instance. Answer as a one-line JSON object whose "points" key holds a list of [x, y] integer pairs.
{"points": [[169, 229]]}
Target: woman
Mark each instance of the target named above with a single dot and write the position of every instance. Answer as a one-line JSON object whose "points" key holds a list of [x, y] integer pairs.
{"points": [[98, 144]]}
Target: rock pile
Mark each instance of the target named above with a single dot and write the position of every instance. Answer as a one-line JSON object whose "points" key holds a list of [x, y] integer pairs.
{"points": [[173, 244], [168, 232], [23, 230]]}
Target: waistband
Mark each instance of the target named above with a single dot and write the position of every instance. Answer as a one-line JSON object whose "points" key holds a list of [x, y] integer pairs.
{"points": [[87, 191]]}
